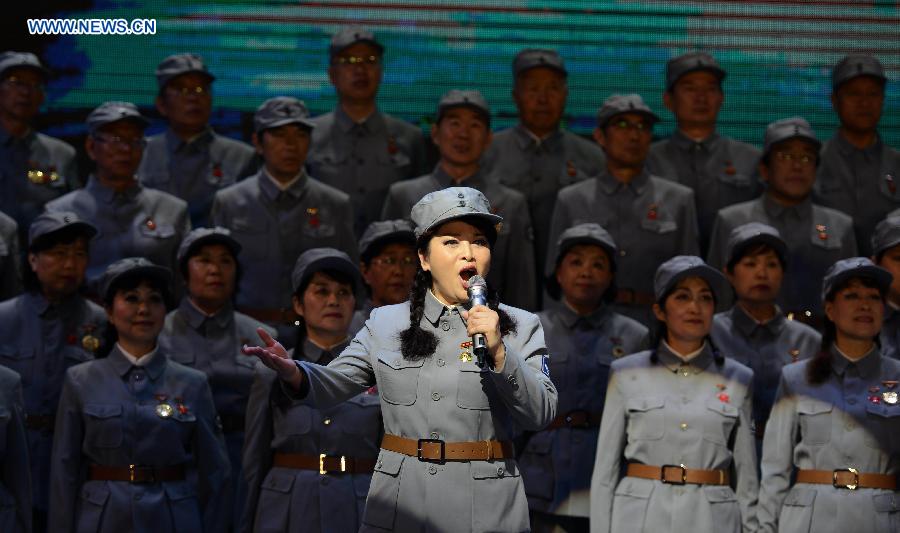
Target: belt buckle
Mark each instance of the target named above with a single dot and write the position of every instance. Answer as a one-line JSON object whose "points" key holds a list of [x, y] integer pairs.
{"points": [[662, 474], [432, 441], [848, 486], [322, 470], [131, 474]]}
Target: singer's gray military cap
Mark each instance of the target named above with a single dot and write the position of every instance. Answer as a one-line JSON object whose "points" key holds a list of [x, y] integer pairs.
{"points": [[451, 203]]}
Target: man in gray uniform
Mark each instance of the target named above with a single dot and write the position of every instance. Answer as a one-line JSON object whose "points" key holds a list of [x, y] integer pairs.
{"points": [[189, 159], [132, 220], [387, 262], [816, 236], [10, 277], [859, 174], [34, 168], [720, 170], [462, 132], [357, 148], [537, 157], [649, 218], [886, 254], [279, 213]]}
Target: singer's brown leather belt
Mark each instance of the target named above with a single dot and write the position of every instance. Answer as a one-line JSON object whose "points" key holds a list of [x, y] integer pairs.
{"points": [[325, 464], [438, 451], [848, 478], [136, 473], [678, 474], [577, 419], [281, 315]]}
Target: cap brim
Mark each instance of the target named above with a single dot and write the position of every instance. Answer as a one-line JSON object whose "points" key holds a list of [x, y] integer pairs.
{"points": [[140, 120], [716, 280], [151, 271], [302, 121], [207, 240], [166, 78], [557, 68], [478, 109], [718, 72], [394, 236], [654, 118], [84, 227], [335, 50], [333, 263], [488, 217], [567, 245], [881, 276], [777, 244]]}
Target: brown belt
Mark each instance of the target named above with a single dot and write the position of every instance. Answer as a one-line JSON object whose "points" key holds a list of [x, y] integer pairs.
{"points": [[439, 451], [281, 315], [577, 419], [40, 422], [633, 297], [325, 464], [678, 474], [848, 478], [136, 473]]}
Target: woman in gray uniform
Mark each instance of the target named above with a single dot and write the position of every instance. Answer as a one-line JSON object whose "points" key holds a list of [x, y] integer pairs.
{"points": [[309, 469], [446, 460], [584, 337], [206, 333], [831, 453], [679, 415], [137, 446]]}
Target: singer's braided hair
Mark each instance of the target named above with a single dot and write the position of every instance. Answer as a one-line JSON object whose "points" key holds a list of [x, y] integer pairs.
{"points": [[417, 343]]}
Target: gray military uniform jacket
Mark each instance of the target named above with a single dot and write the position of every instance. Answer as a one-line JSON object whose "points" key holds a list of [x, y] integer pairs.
{"points": [[816, 237], [539, 169], [364, 159], [286, 499], [695, 414], [556, 463], [720, 170], [212, 344], [511, 274], [108, 416], [890, 332], [138, 222], [650, 219], [195, 170], [10, 277], [442, 397], [841, 423], [50, 161], [15, 482], [864, 184], [765, 348], [40, 342]]}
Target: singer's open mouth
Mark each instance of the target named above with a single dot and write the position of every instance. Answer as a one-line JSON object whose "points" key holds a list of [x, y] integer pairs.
{"points": [[467, 272]]}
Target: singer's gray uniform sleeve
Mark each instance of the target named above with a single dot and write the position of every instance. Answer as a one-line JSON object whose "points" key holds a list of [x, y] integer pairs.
{"points": [[443, 396]]}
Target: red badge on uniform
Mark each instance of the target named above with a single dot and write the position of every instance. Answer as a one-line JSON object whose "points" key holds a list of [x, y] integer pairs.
{"points": [[823, 234], [891, 184], [724, 398], [392, 145], [729, 168], [150, 224], [874, 399], [570, 169], [652, 212], [217, 170], [312, 217], [71, 339], [373, 390]]}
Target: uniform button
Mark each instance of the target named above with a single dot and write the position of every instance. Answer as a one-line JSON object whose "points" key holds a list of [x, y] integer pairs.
{"points": [[513, 382], [623, 253], [432, 469], [138, 496], [499, 470], [325, 481], [435, 396], [327, 421], [851, 401], [138, 377], [685, 373], [445, 326], [441, 362], [434, 435], [683, 426], [379, 465]]}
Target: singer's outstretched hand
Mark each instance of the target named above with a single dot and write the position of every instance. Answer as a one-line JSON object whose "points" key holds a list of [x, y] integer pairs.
{"points": [[484, 320], [274, 356]]}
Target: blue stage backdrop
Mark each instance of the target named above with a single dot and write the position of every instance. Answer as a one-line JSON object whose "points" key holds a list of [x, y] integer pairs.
{"points": [[778, 54]]}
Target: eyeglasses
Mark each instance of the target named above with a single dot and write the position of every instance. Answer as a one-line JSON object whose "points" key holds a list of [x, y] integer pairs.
{"points": [[121, 142], [791, 157], [404, 262], [198, 90], [625, 125], [22, 85], [357, 60]]}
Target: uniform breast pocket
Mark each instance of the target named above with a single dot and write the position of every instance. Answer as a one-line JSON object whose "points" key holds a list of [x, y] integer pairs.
{"points": [[815, 421], [559, 362], [156, 231], [391, 167], [646, 417], [472, 389], [295, 420], [103, 425], [659, 226], [882, 427], [318, 223], [20, 360], [252, 235], [719, 421], [889, 185], [398, 378], [823, 238], [738, 181], [74, 355], [363, 416]]}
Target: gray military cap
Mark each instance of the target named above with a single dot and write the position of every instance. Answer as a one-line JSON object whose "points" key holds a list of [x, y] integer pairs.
{"points": [[618, 104], [348, 36], [684, 266], [48, 223], [316, 259], [12, 59], [691, 62], [109, 112], [205, 236], [178, 64], [587, 233], [382, 231], [451, 203], [279, 111], [855, 65], [887, 235], [530, 58], [132, 266], [786, 129], [463, 98], [749, 234], [855, 267]]}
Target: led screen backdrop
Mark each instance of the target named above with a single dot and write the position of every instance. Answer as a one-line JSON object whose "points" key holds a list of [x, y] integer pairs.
{"points": [[778, 54]]}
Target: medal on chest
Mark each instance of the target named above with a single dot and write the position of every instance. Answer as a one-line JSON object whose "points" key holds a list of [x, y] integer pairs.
{"points": [[89, 341], [312, 217], [163, 409], [890, 396], [465, 355]]}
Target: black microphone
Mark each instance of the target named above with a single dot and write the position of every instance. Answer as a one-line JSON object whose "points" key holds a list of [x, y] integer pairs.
{"points": [[478, 296]]}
